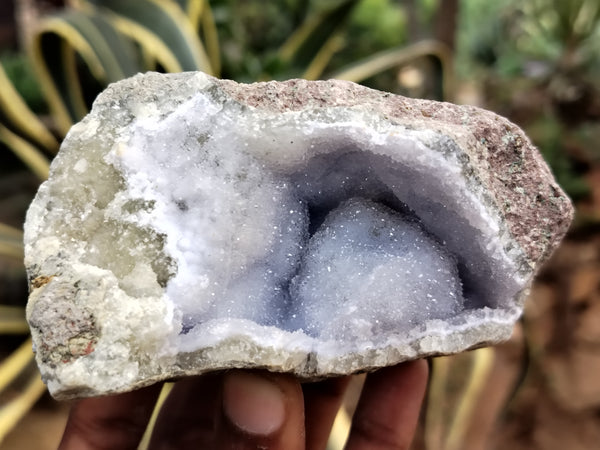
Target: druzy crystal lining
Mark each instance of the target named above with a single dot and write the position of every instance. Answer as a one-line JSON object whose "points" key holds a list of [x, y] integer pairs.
{"points": [[192, 224]]}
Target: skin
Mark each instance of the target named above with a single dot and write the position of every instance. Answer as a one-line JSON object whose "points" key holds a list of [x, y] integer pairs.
{"points": [[254, 409]]}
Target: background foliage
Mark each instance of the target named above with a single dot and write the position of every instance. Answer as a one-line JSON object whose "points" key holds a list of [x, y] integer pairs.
{"points": [[535, 62]]}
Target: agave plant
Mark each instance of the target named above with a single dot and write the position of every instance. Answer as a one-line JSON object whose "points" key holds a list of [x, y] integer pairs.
{"points": [[78, 51]]}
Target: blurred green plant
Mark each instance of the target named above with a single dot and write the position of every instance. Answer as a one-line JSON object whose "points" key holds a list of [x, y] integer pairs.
{"points": [[510, 34], [549, 134], [77, 51], [540, 62], [19, 72]]}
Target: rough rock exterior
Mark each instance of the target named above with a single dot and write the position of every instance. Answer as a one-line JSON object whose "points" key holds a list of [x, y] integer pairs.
{"points": [[191, 224]]}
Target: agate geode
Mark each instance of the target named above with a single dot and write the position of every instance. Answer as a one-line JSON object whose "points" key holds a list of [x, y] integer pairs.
{"points": [[191, 224]]}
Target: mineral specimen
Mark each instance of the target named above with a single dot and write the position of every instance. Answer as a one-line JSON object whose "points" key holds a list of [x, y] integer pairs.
{"points": [[191, 224]]}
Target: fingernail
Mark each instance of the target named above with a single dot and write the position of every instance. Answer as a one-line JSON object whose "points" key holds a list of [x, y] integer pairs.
{"points": [[253, 403]]}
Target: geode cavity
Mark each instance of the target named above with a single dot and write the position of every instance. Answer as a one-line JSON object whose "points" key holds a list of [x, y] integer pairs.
{"points": [[191, 224]]}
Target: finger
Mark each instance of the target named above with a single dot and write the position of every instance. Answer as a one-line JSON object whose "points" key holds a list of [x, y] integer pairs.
{"points": [[118, 421], [187, 418], [388, 410], [322, 401], [261, 410]]}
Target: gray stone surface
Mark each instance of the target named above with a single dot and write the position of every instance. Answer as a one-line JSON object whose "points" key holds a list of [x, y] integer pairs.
{"points": [[320, 228]]}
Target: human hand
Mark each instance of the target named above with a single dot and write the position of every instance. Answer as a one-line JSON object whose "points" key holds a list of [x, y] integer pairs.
{"points": [[253, 409]]}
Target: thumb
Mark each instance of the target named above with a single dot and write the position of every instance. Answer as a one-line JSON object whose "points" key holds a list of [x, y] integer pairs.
{"points": [[261, 410]]}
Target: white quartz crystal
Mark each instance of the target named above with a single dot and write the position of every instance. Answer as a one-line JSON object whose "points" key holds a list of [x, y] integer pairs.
{"points": [[191, 224], [368, 272]]}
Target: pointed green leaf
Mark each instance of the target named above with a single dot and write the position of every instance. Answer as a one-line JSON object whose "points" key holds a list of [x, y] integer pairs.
{"points": [[63, 40], [319, 63], [199, 14], [211, 38], [388, 59], [19, 116], [162, 28], [193, 9], [314, 33], [30, 155]]}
